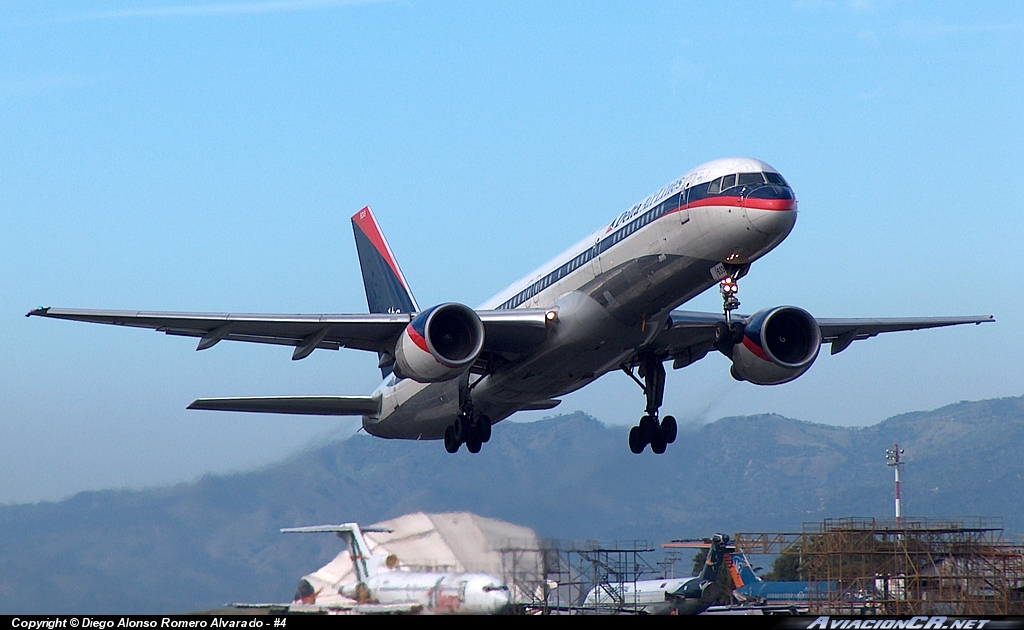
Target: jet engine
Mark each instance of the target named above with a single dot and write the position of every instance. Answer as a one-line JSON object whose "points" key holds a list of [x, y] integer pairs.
{"points": [[439, 344], [774, 346]]}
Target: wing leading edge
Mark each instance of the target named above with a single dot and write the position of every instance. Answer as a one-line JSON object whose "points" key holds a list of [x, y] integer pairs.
{"points": [[506, 331]]}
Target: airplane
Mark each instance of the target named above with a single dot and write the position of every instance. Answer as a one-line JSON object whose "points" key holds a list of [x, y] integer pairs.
{"points": [[750, 586], [605, 304], [685, 596], [382, 587]]}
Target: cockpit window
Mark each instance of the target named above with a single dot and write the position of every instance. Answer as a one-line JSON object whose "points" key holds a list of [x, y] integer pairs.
{"points": [[728, 182], [775, 178], [747, 179]]}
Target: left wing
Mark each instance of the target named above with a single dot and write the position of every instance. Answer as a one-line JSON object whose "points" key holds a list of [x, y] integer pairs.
{"points": [[691, 335], [842, 332], [506, 331], [304, 405]]}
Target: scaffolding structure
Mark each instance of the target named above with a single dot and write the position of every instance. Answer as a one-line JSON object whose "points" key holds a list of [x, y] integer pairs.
{"points": [[588, 577], [920, 566]]}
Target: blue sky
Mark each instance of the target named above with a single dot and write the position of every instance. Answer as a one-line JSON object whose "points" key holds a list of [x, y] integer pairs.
{"points": [[207, 156]]}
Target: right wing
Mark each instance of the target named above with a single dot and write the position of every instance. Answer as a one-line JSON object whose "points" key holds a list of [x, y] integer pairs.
{"points": [[507, 332]]}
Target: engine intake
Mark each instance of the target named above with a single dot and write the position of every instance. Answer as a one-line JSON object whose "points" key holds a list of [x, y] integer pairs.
{"points": [[439, 344], [777, 346]]}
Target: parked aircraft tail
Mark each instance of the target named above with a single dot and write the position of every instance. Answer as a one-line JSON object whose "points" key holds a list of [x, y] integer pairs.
{"points": [[715, 557], [697, 594], [367, 565], [742, 571]]}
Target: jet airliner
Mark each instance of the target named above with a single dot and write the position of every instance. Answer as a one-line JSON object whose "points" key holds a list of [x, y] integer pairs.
{"points": [[681, 596], [607, 303], [378, 580]]}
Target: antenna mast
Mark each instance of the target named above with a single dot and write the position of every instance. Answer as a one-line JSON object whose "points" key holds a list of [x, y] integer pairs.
{"points": [[892, 459]]}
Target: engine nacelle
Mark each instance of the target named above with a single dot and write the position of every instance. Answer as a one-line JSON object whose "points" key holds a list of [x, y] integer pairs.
{"points": [[439, 344], [778, 345]]}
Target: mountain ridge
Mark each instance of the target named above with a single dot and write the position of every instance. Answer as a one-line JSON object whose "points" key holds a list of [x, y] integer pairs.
{"points": [[195, 545]]}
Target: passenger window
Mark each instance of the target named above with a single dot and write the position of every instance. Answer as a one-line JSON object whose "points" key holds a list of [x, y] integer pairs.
{"points": [[748, 179]]}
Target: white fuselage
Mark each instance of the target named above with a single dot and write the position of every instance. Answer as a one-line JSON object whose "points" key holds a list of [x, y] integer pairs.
{"points": [[437, 593], [612, 292], [641, 596]]}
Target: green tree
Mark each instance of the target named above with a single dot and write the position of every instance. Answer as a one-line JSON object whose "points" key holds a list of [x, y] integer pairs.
{"points": [[786, 568]]}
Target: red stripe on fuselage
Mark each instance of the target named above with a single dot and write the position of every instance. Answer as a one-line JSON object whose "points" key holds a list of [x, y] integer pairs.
{"points": [[744, 202], [417, 338], [756, 349], [368, 224]]}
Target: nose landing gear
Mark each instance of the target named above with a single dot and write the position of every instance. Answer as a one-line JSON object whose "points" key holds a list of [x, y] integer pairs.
{"points": [[729, 276], [650, 431]]}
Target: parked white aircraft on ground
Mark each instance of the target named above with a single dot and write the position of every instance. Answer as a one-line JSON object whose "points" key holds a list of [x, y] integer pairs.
{"points": [[604, 304], [381, 587], [685, 596]]}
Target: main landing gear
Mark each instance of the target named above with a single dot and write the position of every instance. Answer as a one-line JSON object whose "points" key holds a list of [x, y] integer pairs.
{"points": [[650, 431], [471, 430]]}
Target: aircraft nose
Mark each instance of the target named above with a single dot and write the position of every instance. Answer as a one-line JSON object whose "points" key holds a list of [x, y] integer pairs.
{"points": [[772, 223]]}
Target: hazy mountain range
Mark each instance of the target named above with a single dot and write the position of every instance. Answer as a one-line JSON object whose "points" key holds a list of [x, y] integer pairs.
{"points": [[198, 545]]}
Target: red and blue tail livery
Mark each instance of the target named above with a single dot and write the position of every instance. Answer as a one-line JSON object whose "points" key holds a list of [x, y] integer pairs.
{"points": [[386, 288]]}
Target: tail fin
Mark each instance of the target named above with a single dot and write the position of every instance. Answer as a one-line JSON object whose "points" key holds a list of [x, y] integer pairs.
{"points": [[366, 564], [743, 569], [714, 560], [704, 587], [386, 288]]}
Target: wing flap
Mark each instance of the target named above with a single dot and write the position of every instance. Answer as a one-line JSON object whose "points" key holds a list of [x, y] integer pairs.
{"points": [[302, 405]]}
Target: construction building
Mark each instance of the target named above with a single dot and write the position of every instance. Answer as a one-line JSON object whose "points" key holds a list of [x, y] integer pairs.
{"points": [[918, 567]]}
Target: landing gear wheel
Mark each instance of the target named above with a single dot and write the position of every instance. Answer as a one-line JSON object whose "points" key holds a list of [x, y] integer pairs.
{"points": [[462, 428], [484, 429], [450, 443], [658, 445], [636, 441], [669, 429], [648, 428], [473, 445]]}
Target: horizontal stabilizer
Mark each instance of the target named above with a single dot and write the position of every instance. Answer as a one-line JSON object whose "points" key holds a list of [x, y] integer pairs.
{"points": [[321, 529], [305, 405]]}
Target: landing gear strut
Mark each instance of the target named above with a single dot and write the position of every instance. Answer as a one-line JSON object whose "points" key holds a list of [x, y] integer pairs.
{"points": [[650, 431], [728, 288]]}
